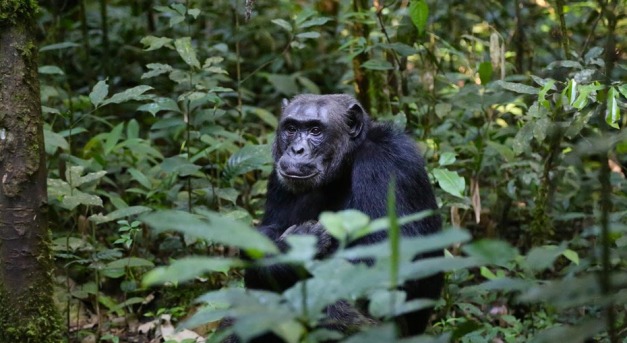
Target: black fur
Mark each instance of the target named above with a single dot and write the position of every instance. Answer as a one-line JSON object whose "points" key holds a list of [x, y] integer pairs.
{"points": [[357, 171]]}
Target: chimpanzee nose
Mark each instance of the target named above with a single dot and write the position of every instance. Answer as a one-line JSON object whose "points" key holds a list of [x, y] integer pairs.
{"points": [[298, 150]]}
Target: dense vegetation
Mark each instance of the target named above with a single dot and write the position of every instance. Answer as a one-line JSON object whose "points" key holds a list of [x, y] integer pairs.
{"points": [[160, 115]]}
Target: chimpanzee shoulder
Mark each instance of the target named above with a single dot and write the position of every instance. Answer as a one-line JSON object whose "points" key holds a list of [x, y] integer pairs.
{"points": [[386, 153]]}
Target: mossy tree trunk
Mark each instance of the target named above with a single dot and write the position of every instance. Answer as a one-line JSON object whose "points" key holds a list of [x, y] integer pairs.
{"points": [[27, 310]]}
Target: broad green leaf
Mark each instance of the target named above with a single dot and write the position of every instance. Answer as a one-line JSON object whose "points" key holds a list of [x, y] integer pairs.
{"points": [[187, 52], [70, 197], [50, 70], [211, 227], [571, 255], [154, 43], [118, 214], [314, 22], [491, 251], [518, 87], [248, 158], [419, 14], [523, 138], [282, 23], [54, 141], [541, 258], [140, 177], [156, 69], [134, 93], [179, 165], [450, 181], [549, 85], [75, 178], [99, 92], [343, 224], [568, 292], [310, 34], [160, 104], [58, 46], [446, 158], [189, 268], [194, 12], [612, 112], [409, 246], [284, 84], [129, 262], [485, 72], [309, 85], [112, 138], [571, 333], [377, 64]]}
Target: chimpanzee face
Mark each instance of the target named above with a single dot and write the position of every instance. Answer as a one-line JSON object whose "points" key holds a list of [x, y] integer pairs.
{"points": [[314, 136]]}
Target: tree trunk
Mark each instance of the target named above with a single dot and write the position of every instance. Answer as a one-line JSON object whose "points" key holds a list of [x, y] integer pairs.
{"points": [[27, 310]]}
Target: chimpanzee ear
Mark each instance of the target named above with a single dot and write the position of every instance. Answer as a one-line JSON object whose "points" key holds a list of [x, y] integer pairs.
{"points": [[355, 118], [284, 104]]}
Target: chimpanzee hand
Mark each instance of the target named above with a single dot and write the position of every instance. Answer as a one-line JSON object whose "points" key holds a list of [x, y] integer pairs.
{"points": [[326, 243]]}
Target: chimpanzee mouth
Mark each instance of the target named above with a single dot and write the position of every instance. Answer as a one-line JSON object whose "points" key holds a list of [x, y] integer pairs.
{"points": [[297, 176]]}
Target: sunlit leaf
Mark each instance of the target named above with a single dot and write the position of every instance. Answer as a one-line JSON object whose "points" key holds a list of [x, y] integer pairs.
{"points": [[419, 14], [134, 93], [187, 52], [118, 214], [99, 92], [450, 181]]}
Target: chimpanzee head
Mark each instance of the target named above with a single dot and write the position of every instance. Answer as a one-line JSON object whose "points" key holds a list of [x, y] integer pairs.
{"points": [[316, 138]]}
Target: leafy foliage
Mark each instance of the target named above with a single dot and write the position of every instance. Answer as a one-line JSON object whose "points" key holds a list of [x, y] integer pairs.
{"points": [[160, 117]]}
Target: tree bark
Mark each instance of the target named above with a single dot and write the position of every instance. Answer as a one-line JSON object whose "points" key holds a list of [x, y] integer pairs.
{"points": [[27, 309]]}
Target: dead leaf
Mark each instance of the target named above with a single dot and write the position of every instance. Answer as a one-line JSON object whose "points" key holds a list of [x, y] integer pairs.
{"points": [[475, 198]]}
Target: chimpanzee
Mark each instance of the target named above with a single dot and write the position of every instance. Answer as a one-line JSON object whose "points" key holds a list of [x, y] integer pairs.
{"points": [[330, 156]]}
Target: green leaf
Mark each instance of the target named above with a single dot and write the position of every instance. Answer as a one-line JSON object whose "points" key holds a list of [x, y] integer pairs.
{"points": [[541, 258], [70, 198], [284, 84], [419, 14], [54, 141], [118, 214], [160, 104], [523, 138], [154, 43], [450, 182], [282, 23], [343, 224], [50, 70], [446, 158], [491, 251], [134, 93], [377, 64], [485, 72], [112, 138], [187, 52], [194, 12], [58, 46], [140, 177], [263, 114], [248, 158], [307, 35], [129, 262], [156, 69], [211, 227], [189, 268], [314, 22], [571, 255], [99, 92], [612, 112], [517, 87]]}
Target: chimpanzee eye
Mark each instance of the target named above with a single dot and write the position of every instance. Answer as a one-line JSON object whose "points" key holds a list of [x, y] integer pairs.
{"points": [[291, 129], [315, 131]]}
